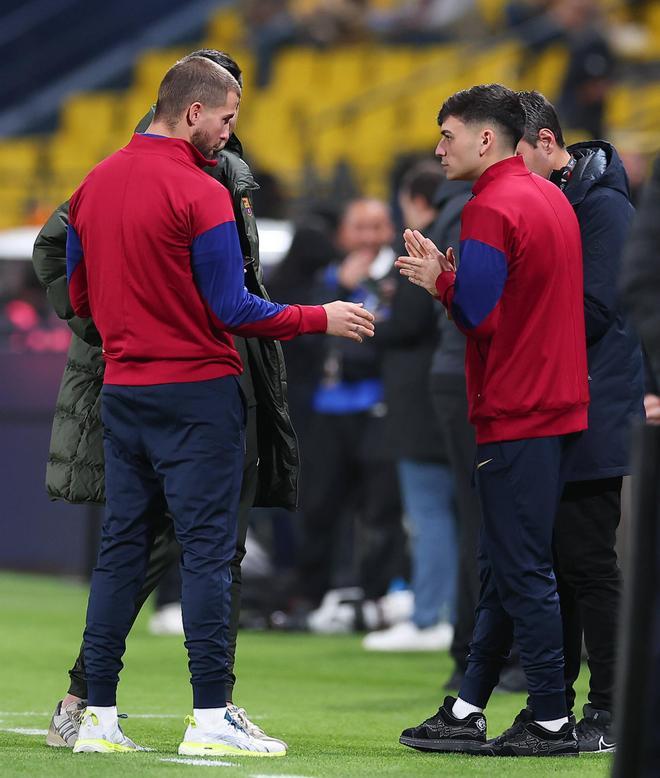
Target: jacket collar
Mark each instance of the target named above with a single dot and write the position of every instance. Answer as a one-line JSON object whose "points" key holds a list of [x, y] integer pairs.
{"points": [[511, 166], [177, 148]]}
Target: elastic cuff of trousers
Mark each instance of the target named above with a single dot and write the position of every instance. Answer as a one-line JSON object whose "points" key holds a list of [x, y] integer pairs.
{"points": [[103, 695], [475, 691], [229, 692], [547, 707], [209, 695], [78, 688], [78, 685]]}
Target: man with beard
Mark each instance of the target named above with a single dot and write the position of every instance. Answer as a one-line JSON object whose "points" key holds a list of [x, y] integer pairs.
{"points": [[153, 253], [75, 463], [593, 178]]}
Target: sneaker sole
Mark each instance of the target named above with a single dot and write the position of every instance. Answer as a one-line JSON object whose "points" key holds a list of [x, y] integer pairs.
{"points": [[448, 746], [499, 754], [215, 749], [100, 747], [598, 751]]}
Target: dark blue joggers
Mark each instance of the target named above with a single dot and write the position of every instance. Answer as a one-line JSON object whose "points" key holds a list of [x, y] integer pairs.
{"points": [[520, 484], [183, 445]]}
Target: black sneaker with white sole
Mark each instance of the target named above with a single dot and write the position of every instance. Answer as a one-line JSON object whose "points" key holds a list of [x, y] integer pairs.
{"points": [[594, 732], [444, 732], [525, 737]]}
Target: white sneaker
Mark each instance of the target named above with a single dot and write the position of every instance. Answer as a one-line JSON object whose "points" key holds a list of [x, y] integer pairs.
{"points": [[94, 737], [240, 716], [397, 606], [167, 620], [407, 636], [230, 738], [339, 610]]}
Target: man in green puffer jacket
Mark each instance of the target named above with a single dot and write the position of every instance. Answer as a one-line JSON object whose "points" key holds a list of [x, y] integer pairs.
{"points": [[75, 470]]}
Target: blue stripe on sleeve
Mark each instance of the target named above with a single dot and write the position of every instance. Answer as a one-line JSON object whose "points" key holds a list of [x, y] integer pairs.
{"points": [[480, 280], [217, 265], [74, 252]]}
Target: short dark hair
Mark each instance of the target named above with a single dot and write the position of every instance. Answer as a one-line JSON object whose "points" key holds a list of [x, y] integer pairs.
{"points": [[540, 114], [220, 58], [192, 79], [487, 103], [422, 180]]}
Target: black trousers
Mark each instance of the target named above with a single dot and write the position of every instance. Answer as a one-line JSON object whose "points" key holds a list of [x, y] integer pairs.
{"points": [[589, 583], [344, 468], [166, 550], [450, 405]]}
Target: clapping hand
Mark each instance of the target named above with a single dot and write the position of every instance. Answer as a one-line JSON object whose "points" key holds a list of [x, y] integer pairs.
{"points": [[425, 261]]}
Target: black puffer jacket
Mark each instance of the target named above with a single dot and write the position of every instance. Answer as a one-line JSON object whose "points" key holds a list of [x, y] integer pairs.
{"points": [[598, 191], [75, 463]]}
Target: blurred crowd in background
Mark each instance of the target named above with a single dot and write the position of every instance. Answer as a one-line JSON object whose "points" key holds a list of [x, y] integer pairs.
{"points": [[338, 123]]}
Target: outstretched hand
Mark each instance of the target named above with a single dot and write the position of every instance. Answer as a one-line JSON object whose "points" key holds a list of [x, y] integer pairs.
{"points": [[424, 262], [349, 320]]}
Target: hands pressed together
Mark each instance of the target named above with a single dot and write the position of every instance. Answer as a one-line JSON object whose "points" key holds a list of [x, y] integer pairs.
{"points": [[425, 261]]}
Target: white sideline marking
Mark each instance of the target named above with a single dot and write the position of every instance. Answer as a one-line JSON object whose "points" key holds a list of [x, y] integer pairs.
{"points": [[8, 714], [202, 762], [24, 731], [24, 713]]}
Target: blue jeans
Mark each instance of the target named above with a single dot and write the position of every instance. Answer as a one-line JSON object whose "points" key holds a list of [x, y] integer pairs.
{"points": [[427, 491]]}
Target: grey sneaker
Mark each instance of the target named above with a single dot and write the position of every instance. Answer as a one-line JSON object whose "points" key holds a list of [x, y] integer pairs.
{"points": [[240, 717], [227, 739], [64, 725]]}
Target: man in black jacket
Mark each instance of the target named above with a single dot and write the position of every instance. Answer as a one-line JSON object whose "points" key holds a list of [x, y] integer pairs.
{"points": [[345, 465], [406, 335], [638, 752], [588, 578], [449, 398], [75, 468]]}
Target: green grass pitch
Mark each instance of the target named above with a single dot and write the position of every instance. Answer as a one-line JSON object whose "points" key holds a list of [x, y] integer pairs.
{"points": [[340, 708]]}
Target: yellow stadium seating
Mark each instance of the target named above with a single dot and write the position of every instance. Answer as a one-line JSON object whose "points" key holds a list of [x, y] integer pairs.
{"points": [[152, 66], [359, 104], [226, 31]]}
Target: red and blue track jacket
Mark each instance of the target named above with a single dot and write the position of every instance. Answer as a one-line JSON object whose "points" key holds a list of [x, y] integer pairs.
{"points": [[517, 295], [153, 256]]}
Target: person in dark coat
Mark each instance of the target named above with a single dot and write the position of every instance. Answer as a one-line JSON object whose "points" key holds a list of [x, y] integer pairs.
{"points": [[345, 466], [641, 277], [638, 752], [407, 335], [593, 179], [449, 400]]}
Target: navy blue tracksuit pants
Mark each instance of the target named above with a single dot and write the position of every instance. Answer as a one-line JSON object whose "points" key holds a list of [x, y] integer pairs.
{"points": [[520, 483], [181, 445]]}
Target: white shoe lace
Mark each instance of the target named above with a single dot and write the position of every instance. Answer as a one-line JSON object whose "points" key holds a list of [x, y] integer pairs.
{"points": [[241, 718]]}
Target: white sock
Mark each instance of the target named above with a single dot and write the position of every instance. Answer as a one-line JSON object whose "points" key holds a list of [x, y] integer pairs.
{"points": [[105, 715], [209, 719], [553, 725], [462, 709]]}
